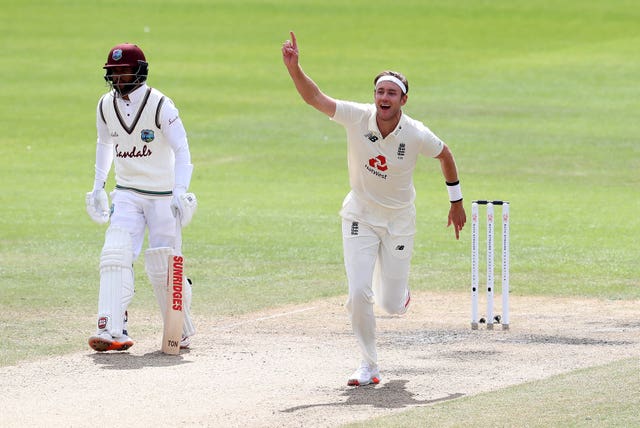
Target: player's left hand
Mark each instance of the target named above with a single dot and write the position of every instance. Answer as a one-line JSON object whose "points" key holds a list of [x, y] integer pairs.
{"points": [[457, 217], [183, 205]]}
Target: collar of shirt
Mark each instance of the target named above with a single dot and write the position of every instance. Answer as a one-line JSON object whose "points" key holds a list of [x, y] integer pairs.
{"points": [[373, 125], [136, 96]]}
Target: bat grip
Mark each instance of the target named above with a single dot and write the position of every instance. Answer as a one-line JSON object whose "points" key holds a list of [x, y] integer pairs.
{"points": [[178, 242]]}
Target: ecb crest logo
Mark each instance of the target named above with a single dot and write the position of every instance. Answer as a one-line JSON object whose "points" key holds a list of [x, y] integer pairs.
{"points": [[147, 135]]}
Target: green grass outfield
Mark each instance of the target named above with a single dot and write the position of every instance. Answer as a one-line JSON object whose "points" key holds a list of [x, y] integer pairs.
{"points": [[539, 101], [567, 400]]}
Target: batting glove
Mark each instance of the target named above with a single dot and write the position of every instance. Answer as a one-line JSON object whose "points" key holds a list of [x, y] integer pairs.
{"points": [[184, 205], [97, 204]]}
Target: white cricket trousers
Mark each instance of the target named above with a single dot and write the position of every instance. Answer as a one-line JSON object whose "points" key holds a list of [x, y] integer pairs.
{"points": [[377, 265], [135, 213]]}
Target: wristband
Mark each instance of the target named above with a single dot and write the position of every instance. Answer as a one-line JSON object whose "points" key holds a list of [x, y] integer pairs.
{"points": [[455, 192]]}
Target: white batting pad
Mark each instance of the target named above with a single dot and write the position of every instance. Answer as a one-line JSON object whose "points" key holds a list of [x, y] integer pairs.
{"points": [[156, 261], [116, 280], [188, 329]]}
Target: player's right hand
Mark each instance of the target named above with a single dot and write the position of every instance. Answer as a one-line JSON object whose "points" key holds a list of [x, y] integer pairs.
{"points": [[290, 52], [97, 204]]}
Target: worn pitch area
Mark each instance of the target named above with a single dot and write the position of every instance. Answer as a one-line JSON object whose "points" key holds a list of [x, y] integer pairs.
{"points": [[288, 366]]}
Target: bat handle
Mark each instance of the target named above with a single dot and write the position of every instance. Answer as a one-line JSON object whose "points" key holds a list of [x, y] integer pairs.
{"points": [[178, 241]]}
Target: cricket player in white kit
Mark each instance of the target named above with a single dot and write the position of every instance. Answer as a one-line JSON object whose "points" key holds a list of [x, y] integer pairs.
{"points": [[378, 214], [140, 131]]}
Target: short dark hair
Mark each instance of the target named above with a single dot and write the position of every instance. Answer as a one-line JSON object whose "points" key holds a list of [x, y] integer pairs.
{"points": [[395, 74]]}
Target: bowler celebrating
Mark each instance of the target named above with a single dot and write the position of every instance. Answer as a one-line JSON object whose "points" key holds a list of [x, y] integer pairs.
{"points": [[378, 214]]}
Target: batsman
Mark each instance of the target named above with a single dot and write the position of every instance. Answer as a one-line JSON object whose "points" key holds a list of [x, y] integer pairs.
{"points": [[140, 132]]}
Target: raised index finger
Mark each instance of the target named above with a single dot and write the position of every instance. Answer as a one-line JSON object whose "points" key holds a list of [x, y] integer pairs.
{"points": [[293, 40]]}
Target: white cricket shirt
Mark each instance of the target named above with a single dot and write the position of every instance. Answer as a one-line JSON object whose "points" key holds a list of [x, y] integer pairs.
{"points": [[381, 169], [146, 140]]}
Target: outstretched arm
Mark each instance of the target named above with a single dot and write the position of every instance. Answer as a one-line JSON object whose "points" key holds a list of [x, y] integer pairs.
{"points": [[306, 87], [457, 215]]}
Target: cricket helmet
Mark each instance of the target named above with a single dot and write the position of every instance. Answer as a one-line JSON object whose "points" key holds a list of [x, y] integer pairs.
{"points": [[126, 55]]}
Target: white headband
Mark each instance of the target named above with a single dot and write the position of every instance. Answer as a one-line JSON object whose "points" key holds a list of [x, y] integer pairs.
{"points": [[387, 78]]}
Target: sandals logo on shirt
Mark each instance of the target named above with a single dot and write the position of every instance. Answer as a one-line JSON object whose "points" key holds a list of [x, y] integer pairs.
{"points": [[147, 135], [378, 165]]}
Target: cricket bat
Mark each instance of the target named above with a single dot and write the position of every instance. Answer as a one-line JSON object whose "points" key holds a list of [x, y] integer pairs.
{"points": [[174, 316]]}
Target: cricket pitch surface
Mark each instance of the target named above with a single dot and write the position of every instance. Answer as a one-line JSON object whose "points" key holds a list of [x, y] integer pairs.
{"points": [[288, 366]]}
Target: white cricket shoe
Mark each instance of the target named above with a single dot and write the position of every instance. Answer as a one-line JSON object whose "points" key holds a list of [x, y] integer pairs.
{"points": [[365, 375], [103, 341], [185, 342]]}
